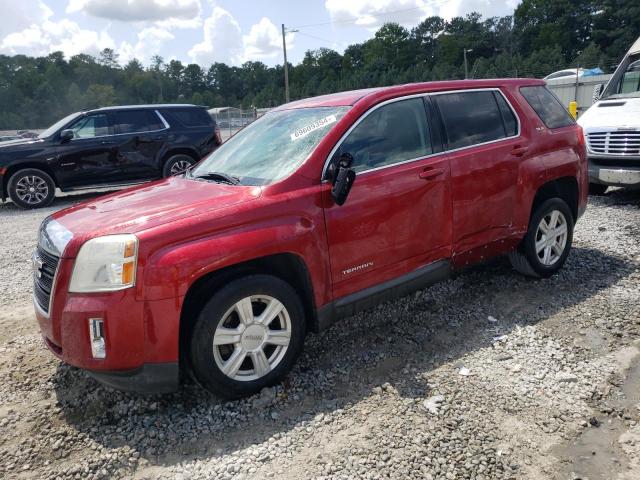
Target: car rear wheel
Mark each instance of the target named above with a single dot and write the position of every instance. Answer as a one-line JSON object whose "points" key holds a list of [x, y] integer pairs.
{"points": [[547, 243], [31, 188], [247, 336], [177, 165], [597, 189]]}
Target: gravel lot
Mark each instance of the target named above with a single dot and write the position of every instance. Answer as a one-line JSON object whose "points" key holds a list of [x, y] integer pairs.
{"points": [[488, 375]]}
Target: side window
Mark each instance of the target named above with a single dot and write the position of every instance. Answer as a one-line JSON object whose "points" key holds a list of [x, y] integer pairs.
{"points": [[189, 117], [470, 118], [390, 134], [631, 79], [547, 106], [91, 126], [136, 121], [509, 119]]}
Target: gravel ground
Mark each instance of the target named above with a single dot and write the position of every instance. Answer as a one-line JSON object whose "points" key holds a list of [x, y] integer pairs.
{"points": [[486, 376]]}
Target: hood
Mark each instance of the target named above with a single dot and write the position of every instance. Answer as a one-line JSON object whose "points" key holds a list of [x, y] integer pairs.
{"points": [[619, 112], [152, 204]]}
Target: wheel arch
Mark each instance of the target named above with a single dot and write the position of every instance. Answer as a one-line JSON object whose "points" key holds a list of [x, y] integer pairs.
{"points": [[15, 168], [179, 151], [289, 267], [565, 188]]}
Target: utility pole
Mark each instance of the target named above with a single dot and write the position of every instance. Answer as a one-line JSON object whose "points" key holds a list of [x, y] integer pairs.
{"points": [[286, 65], [466, 68]]}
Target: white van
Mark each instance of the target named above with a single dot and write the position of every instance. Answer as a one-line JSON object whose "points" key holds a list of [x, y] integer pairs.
{"points": [[612, 128]]}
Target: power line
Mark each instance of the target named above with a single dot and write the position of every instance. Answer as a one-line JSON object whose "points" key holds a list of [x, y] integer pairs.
{"points": [[432, 3], [326, 40]]}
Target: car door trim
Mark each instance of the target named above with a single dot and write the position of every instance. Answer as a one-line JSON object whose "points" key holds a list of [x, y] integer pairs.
{"points": [[349, 305], [430, 155]]}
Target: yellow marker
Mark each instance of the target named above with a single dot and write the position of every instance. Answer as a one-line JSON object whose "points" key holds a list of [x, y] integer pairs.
{"points": [[573, 109]]}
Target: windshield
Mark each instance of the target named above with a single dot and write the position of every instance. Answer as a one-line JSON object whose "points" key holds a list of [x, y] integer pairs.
{"points": [[58, 125], [628, 84], [272, 147]]}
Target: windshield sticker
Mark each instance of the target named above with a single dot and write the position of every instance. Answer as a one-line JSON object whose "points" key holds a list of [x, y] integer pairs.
{"points": [[304, 131]]}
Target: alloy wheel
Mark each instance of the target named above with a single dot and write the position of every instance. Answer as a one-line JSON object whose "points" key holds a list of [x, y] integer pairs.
{"points": [[252, 338], [551, 237], [32, 189], [179, 167]]}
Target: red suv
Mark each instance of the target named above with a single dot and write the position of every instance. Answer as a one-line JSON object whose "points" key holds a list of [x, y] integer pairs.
{"points": [[322, 207]]}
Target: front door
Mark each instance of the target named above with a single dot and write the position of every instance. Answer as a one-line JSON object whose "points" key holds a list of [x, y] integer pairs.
{"points": [[86, 158], [397, 217]]}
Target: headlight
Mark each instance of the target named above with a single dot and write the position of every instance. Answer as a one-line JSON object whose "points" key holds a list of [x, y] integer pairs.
{"points": [[53, 237], [105, 264]]}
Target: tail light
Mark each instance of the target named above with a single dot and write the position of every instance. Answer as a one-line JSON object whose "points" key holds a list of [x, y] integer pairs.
{"points": [[218, 136]]}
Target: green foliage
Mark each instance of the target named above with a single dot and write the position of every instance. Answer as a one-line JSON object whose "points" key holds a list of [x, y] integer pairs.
{"points": [[542, 36]]}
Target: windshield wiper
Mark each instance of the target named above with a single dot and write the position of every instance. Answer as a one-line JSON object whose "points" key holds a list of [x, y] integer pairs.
{"points": [[216, 176]]}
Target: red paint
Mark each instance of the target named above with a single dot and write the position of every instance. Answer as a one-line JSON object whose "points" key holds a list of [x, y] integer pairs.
{"points": [[465, 206]]}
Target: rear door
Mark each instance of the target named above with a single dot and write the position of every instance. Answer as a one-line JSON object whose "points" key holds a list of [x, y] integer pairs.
{"points": [[485, 151], [139, 137], [86, 158], [397, 217], [197, 129]]}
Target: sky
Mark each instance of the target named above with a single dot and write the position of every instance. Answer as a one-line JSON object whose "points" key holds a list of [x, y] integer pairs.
{"points": [[207, 31]]}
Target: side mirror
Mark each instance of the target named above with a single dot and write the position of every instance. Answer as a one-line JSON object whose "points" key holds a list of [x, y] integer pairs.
{"points": [[342, 180], [597, 92], [66, 135]]}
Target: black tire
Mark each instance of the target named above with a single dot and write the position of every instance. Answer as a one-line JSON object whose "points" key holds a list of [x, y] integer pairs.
{"points": [[31, 188], [597, 189], [175, 164], [526, 258], [205, 357]]}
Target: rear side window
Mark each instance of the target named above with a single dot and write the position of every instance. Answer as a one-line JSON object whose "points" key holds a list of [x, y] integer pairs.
{"points": [[391, 134], [473, 117], [189, 117], [136, 121], [509, 119], [547, 106]]}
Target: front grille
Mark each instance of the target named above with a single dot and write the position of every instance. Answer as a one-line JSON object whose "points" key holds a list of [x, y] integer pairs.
{"points": [[621, 143], [44, 271]]}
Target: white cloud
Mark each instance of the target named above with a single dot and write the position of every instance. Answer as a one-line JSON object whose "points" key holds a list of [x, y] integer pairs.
{"points": [[263, 41], [139, 10], [150, 42], [65, 35], [488, 8], [373, 13], [222, 40], [19, 15]]}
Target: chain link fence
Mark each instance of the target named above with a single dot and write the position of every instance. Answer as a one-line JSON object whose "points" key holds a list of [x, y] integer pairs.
{"points": [[230, 119]]}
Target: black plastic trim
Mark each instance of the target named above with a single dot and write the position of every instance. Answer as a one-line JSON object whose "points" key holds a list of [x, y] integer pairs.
{"points": [[150, 378], [372, 296]]}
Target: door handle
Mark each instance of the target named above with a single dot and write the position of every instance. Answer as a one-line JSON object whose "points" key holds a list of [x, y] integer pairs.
{"points": [[430, 173], [519, 150]]}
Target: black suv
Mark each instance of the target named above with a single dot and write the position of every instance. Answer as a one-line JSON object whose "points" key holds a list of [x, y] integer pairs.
{"points": [[109, 146]]}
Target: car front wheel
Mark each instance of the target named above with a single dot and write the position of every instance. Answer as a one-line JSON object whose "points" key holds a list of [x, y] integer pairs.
{"points": [[31, 188], [547, 243], [247, 336]]}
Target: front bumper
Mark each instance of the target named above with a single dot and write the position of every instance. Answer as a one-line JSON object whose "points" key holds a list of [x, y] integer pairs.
{"points": [[141, 337], [614, 175]]}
